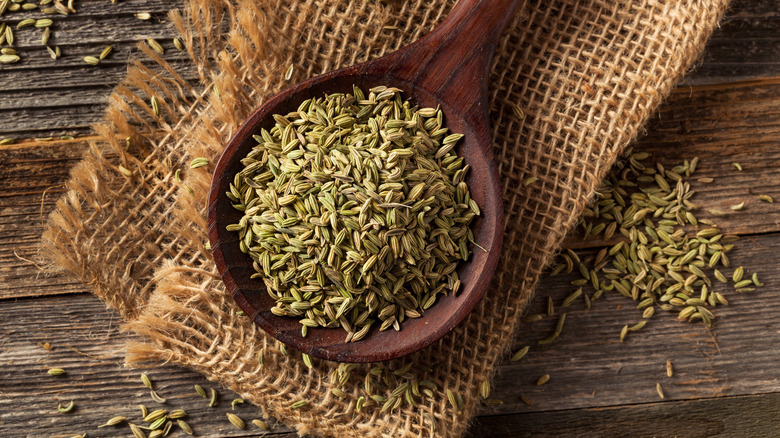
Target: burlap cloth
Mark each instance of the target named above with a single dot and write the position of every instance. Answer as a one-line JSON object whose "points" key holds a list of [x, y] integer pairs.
{"points": [[586, 73]]}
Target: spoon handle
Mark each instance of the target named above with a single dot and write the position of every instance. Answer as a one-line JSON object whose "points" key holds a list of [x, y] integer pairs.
{"points": [[453, 61], [474, 23]]}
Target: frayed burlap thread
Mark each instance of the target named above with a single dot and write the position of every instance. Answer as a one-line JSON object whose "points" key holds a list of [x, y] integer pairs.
{"points": [[587, 74]]}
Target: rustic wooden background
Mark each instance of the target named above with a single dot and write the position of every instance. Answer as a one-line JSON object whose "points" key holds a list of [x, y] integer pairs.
{"points": [[726, 381]]}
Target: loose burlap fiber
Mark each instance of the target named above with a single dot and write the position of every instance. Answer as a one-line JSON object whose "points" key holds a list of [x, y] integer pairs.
{"points": [[586, 73]]}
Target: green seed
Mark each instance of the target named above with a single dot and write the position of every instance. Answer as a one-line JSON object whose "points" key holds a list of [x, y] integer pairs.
{"points": [[25, 23], [9, 59], [155, 46], [198, 162], [56, 372], [185, 427], [91, 60], [299, 404], [137, 432], [158, 423], [743, 284], [146, 381], [235, 402], [542, 380], [306, 360], [737, 275], [559, 325], [235, 420], [519, 354], [659, 390], [178, 413], [766, 198], [202, 392], [533, 318], [452, 399], [113, 421], [107, 51], [571, 297], [484, 389], [155, 415], [143, 15], [65, 409], [213, 400], [288, 74], [518, 112], [739, 167], [155, 106], [261, 424], [156, 397]]}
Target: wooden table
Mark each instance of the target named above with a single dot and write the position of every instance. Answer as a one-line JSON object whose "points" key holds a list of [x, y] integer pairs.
{"points": [[726, 381]]}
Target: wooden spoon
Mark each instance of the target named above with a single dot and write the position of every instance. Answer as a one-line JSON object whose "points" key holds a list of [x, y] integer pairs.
{"points": [[449, 67]]}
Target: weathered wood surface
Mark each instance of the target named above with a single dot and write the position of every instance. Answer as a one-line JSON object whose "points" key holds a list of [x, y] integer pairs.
{"points": [[590, 367], [85, 339], [725, 417], [720, 124], [44, 97], [35, 91], [747, 45], [726, 382]]}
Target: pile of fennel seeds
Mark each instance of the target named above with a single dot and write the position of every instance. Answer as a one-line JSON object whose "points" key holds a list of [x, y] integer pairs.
{"points": [[663, 257], [356, 211]]}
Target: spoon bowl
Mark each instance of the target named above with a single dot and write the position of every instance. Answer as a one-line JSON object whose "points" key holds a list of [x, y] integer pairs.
{"points": [[429, 75]]}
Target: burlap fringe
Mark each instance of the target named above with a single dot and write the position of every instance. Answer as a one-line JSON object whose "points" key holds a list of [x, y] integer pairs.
{"points": [[587, 74]]}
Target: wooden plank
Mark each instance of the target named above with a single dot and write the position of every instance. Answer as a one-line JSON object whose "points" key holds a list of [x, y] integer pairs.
{"points": [[746, 45], [587, 358], [32, 177], [590, 367], [721, 124], [87, 342], [45, 97], [36, 110], [747, 416]]}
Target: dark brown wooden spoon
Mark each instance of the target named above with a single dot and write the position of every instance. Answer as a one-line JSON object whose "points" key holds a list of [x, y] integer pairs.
{"points": [[449, 67]]}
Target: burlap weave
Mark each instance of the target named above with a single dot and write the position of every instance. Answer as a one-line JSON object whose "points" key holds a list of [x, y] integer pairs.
{"points": [[586, 73]]}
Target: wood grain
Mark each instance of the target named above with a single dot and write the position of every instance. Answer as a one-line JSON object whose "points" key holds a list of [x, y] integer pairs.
{"points": [[745, 47], [720, 124], [587, 358], [589, 367], [730, 114], [746, 416], [44, 97], [32, 178], [87, 342]]}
